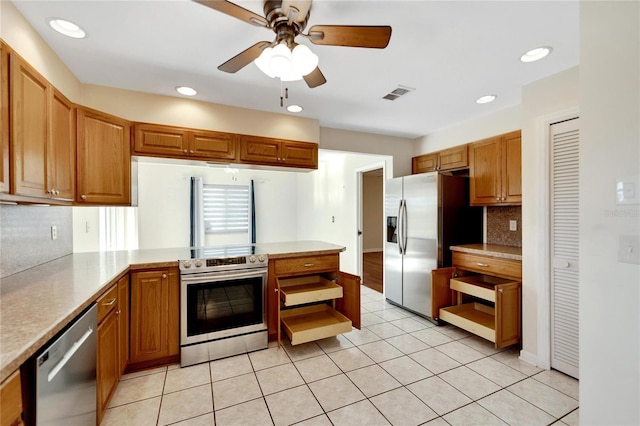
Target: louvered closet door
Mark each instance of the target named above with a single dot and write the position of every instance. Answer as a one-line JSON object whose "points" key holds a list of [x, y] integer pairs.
{"points": [[564, 246]]}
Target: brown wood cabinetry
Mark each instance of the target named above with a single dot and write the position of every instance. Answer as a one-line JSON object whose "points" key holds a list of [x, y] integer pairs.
{"points": [[480, 294], [495, 169], [455, 158], [260, 150], [104, 159], [4, 118], [154, 317], [168, 141], [11, 401], [61, 147], [113, 324], [310, 299]]}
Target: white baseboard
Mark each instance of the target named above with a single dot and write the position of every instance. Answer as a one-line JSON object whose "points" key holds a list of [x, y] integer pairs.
{"points": [[530, 358], [371, 250]]}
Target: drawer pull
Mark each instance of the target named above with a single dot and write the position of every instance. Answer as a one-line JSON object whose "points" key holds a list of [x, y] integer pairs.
{"points": [[109, 303], [500, 290], [483, 265], [308, 265]]}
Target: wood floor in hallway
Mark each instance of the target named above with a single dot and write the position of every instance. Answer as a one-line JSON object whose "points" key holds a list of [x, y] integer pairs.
{"points": [[372, 270]]}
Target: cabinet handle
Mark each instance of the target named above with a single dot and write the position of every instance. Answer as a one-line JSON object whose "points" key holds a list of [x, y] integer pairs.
{"points": [[118, 312], [308, 265], [83, 197], [191, 152], [164, 276], [275, 290], [483, 265], [500, 290], [109, 303], [185, 151], [567, 264]]}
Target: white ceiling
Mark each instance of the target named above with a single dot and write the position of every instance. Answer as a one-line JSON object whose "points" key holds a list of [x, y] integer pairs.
{"points": [[451, 52]]}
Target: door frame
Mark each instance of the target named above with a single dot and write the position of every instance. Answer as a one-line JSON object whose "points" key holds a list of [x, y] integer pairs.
{"points": [[359, 193], [543, 141]]}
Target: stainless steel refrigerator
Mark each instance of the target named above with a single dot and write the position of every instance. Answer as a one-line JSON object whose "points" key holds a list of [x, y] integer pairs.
{"points": [[425, 215]]}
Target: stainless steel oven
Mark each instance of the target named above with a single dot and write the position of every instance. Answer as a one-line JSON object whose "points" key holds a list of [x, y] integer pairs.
{"points": [[223, 306]]}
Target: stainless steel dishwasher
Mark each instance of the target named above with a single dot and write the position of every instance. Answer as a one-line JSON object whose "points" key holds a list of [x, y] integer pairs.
{"points": [[66, 375]]}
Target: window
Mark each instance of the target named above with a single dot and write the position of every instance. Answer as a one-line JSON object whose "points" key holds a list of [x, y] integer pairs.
{"points": [[226, 209]]}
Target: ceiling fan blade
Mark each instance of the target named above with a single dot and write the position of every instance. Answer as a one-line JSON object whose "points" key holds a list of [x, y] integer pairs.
{"points": [[236, 11], [351, 35], [244, 58], [315, 78]]}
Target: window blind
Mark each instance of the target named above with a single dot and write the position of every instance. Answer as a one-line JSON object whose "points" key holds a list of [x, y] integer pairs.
{"points": [[226, 208]]}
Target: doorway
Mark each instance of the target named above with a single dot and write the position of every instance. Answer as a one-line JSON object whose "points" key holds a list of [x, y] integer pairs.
{"points": [[371, 228]]}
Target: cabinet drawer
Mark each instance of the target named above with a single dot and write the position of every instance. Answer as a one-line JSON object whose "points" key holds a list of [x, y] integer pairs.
{"points": [[309, 323], [307, 289], [306, 264], [488, 265], [107, 302], [474, 285], [476, 318]]}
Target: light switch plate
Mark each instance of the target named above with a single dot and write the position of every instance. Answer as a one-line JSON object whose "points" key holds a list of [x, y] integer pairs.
{"points": [[513, 225], [628, 190], [54, 232], [629, 249]]}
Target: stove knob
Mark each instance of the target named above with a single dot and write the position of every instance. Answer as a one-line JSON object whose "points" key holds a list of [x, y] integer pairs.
{"points": [[252, 259], [198, 263], [261, 258], [186, 264]]}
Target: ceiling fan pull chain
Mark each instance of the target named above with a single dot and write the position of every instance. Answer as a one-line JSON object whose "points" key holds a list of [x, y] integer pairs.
{"points": [[286, 93], [281, 94]]}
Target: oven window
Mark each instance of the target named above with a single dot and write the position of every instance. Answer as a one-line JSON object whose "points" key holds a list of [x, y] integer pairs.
{"points": [[222, 305]]}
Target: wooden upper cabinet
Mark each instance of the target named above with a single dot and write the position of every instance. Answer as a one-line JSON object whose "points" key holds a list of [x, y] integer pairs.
{"points": [[168, 141], [495, 170], [29, 116], [449, 159], [103, 159], [261, 150], [4, 118], [61, 147]]}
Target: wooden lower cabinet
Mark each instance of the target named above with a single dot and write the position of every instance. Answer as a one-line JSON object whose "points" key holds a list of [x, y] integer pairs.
{"points": [[310, 299], [155, 303], [113, 335], [488, 306], [11, 401]]}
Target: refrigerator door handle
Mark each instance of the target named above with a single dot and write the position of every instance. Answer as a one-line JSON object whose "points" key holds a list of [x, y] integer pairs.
{"points": [[399, 228], [404, 226]]}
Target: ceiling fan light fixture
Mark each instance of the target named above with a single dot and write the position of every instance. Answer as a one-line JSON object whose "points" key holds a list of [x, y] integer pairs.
{"points": [[304, 60], [536, 54], [262, 62], [67, 28], [280, 60]]}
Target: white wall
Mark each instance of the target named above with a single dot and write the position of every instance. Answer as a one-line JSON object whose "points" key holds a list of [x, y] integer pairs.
{"points": [[610, 148], [331, 191]]}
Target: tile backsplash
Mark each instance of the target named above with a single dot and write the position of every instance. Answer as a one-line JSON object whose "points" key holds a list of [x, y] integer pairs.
{"points": [[25, 236], [498, 226]]}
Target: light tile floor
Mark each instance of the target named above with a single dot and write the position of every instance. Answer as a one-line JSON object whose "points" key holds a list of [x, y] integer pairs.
{"points": [[399, 369]]}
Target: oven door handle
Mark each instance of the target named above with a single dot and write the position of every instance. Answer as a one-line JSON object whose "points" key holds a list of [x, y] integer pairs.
{"points": [[220, 276]]}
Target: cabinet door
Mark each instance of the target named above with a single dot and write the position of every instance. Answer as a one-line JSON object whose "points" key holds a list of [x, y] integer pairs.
{"points": [[453, 158], [259, 150], [484, 172], [349, 304], [424, 163], [108, 371], [300, 154], [149, 315], [11, 401], [123, 324], [61, 148], [29, 120], [507, 313], [441, 293], [4, 118], [160, 140], [512, 168], [212, 145], [104, 159]]}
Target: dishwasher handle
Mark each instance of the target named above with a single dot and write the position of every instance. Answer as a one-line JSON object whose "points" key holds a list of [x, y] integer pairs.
{"points": [[67, 356]]}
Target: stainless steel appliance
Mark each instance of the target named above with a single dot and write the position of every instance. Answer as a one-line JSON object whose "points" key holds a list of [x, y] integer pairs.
{"points": [[223, 303], [425, 215], [66, 375]]}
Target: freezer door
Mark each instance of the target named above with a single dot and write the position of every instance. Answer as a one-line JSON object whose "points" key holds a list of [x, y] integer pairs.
{"points": [[421, 200], [392, 279]]}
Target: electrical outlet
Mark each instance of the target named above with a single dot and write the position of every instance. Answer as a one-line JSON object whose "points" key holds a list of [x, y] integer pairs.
{"points": [[513, 225], [333, 219], [629, 249], [87, 228], [54, 232]]}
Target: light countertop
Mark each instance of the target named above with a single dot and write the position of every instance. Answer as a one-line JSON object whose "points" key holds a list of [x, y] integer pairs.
{"points": [[494, 250], [37, 303]]}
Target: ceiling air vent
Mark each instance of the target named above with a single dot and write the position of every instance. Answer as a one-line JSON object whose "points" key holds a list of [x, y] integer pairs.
{"points": [[397, 92]]}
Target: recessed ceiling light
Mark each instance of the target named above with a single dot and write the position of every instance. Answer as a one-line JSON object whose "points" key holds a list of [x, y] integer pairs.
{"points": [[67, 28], [187, 91], [294, 108], [486, 99], [536, 54]]}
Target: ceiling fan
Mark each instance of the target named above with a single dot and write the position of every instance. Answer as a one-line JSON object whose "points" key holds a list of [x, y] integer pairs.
{"points": [[284, 58]]}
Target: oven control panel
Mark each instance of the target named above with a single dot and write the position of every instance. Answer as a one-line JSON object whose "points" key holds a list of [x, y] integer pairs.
{"points": [[224, 263]]}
